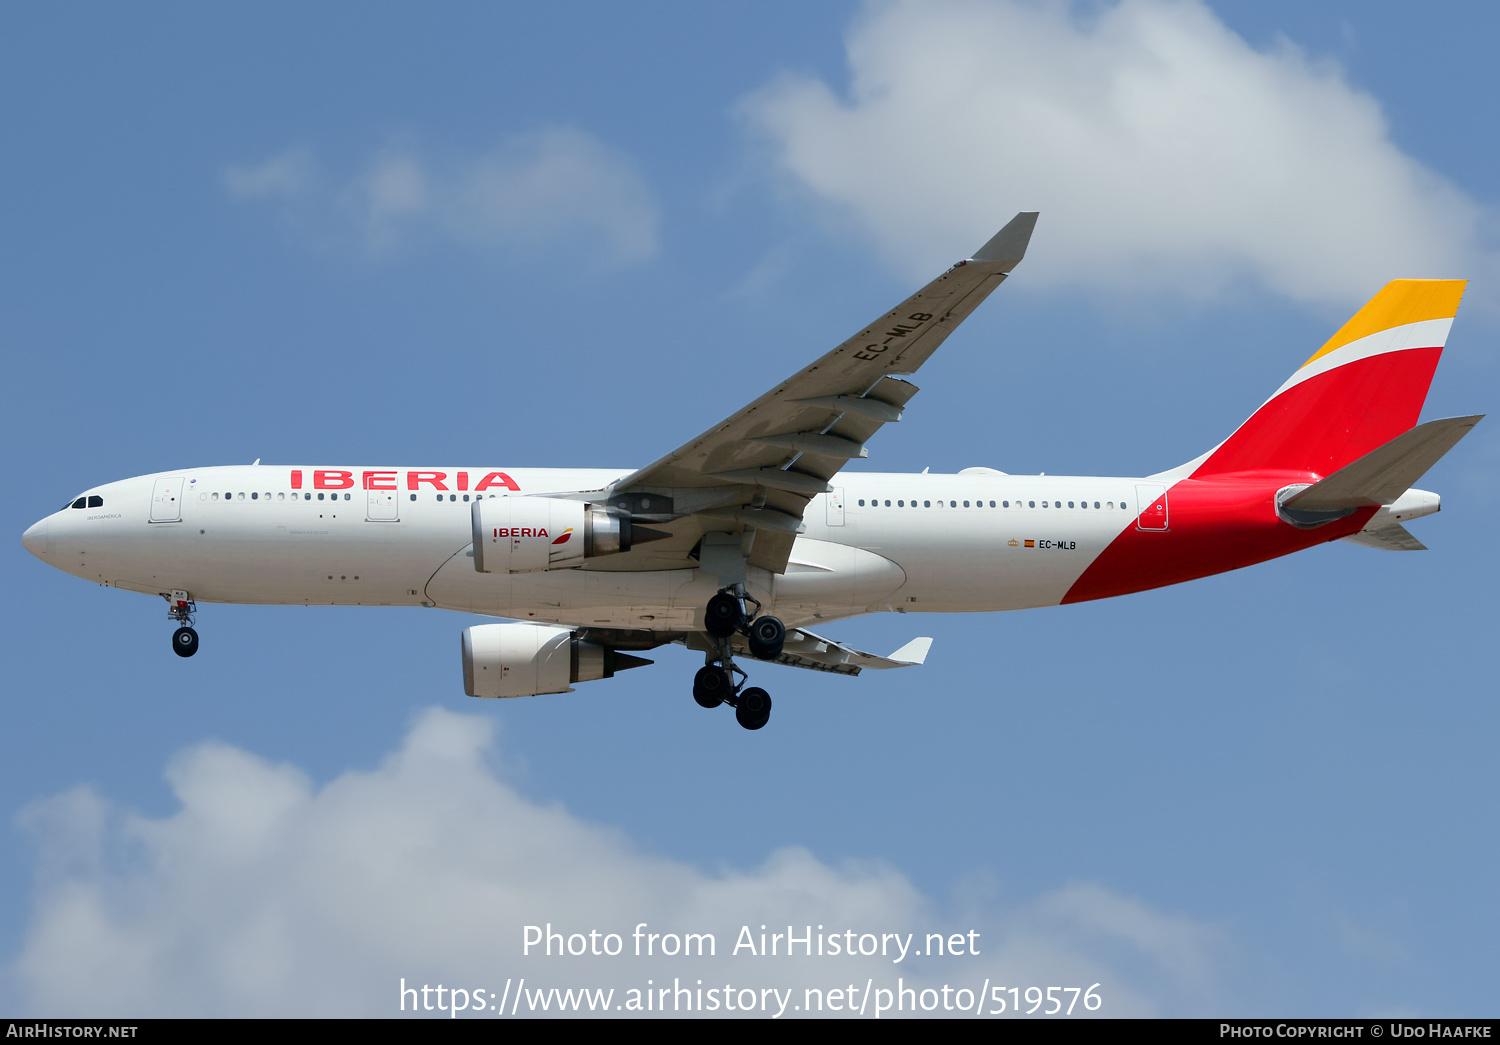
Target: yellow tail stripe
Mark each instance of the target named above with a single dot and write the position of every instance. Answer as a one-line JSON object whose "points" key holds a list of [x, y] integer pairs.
{"points": [[1401, 301]]}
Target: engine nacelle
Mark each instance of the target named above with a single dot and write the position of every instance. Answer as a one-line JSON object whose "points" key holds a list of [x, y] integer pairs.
{"points": [[527, 660], [529, 534]]}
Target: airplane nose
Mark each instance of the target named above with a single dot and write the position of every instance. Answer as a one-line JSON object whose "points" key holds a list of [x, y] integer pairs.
{"points": [[35, 539]]}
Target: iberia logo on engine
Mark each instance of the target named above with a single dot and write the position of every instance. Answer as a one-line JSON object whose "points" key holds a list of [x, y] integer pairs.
{"points": [[519, 531]]}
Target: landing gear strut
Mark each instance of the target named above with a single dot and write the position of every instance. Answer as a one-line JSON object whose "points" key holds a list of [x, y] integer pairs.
{"points": [[730, 612], [180, 608]]}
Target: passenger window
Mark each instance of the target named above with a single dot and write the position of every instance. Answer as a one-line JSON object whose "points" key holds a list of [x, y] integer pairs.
{"points": [[887, 504], [1070, 504], [900, 504], [926, 504], [346, 497], [320, 497], [861, 502], [413, 497], [952, 504], [1033, 503]]}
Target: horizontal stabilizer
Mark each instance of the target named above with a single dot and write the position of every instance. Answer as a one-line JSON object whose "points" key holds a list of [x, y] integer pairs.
{"points": [[1385, 473], [1392, 538], [803, 649]]}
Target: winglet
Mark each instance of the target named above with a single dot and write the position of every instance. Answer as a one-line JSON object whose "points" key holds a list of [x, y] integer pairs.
{"points": [[1008, 246], [915, 651]]}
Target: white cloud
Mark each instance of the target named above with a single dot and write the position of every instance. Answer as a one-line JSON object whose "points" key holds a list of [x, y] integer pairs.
{"points": [[559, 178], [266, 895], [1162, 150], [286, 174], [558, 186]]}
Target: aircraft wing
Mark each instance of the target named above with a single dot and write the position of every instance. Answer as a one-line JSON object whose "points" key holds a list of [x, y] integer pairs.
{"points": [[757, 469], [803, 649]]}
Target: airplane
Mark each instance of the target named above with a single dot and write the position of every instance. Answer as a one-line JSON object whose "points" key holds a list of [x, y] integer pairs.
{"points": [[739, 542]]}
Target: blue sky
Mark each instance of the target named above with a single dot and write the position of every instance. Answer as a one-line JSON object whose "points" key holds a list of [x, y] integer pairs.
{"points": [[578, 235]]}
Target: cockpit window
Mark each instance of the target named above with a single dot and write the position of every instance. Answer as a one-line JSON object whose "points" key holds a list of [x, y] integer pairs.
{"points": [[95, 501], [79, 503]]}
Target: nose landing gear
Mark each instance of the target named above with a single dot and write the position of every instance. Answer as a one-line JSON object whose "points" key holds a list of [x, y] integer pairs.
{"points": [[729, 613], [180, 608], [184, 642]]}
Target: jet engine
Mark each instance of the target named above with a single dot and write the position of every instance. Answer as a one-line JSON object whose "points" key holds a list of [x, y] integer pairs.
{"points": [[527, 660], [528, 534]]}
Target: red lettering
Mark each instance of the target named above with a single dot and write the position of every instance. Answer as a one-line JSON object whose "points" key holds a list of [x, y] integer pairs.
{"points": [[332, 479], [463, 480], [296, 478], [372, 480], [495, 479], [415, 479]]}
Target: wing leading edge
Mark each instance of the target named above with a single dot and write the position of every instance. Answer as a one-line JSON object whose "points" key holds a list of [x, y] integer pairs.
{"points": [[754, 472]]}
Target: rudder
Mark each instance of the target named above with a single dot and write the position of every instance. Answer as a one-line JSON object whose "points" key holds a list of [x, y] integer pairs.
{"points": [[1363, 388]]}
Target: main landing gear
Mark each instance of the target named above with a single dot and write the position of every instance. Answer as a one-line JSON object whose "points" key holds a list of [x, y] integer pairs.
{"points": [[729, 613], [180, 608]]}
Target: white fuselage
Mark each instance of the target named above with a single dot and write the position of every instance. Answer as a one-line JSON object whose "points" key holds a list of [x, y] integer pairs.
{"points": [[879, 542]]}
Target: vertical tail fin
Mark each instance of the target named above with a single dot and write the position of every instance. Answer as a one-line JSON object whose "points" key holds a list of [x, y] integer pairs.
{"points": [[1359, 391]]}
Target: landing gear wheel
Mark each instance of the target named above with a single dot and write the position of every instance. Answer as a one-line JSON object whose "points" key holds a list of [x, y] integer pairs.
{"points": [[723, 617], [767, 636], [754, 708], [711, 685], [184, 642]]}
